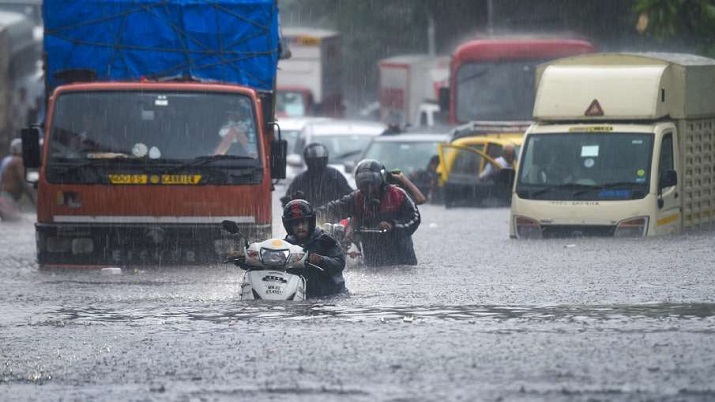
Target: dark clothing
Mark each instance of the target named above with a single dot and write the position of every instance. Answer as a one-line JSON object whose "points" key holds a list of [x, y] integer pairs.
{"points": [[319, 187], [394, 207], [330, 280]]}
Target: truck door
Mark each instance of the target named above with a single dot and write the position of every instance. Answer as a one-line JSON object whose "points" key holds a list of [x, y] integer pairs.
{"points": [[668, 216]]}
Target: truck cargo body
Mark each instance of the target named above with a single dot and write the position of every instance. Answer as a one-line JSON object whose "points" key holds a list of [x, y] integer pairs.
{"points": [[623, 146], [139, 164], [408, 85], [19, 57], [309, 82]]}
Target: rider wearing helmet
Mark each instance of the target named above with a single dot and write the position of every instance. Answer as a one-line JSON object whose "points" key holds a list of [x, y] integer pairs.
{"points": [[320, 183], [378, 205], [325, 263]]}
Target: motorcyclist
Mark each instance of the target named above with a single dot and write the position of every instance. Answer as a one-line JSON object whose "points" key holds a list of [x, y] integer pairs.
{"points": [[320, 183], [378, 205], [326, 260]]}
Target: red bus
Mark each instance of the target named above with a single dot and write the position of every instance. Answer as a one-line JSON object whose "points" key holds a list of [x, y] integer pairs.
{"points": [[492, 79]]}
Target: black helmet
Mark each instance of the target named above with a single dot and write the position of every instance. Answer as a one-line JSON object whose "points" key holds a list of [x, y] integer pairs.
{"points": [[297, 210], [315, 155], [370, 173]]}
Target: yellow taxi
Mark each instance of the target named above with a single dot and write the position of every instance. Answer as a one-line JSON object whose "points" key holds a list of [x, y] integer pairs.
{"points": [[472, 148]]}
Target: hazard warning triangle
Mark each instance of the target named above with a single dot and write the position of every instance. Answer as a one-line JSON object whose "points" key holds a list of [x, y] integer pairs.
{"points": [[594, 109]]}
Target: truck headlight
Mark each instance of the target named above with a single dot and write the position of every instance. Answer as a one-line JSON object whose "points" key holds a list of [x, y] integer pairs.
{"points": [[632, 227], [526, 228]]}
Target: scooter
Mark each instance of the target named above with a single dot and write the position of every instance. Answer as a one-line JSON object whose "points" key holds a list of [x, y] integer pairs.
{"points": [[348, 237], [266, 263]]}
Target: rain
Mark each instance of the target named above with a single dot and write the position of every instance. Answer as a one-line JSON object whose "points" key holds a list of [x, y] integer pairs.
{"points": [[482, 316]]}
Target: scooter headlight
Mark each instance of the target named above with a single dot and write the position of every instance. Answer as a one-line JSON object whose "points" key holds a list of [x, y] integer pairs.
{"points": [[274, 258]]}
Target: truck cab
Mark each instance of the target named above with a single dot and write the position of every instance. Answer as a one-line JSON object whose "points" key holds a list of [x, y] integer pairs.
{"points": [[621, 147]]}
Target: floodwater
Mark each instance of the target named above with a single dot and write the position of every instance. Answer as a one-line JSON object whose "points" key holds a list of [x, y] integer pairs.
{"points": [[482, 317]]}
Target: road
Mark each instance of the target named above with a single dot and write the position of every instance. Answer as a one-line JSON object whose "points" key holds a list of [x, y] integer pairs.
{"points": [[482, 317]]}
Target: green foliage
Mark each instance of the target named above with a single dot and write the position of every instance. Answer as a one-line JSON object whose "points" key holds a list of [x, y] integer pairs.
{"points": [[692, 19]]}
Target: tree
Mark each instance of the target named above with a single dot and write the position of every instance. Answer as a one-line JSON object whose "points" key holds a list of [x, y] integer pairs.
{"points": [[691, 20]]}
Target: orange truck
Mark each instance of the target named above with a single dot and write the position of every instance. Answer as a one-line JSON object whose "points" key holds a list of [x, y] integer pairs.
{"points": [[158, 127]]}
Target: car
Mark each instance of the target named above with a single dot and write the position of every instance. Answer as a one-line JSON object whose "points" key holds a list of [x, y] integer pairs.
{"points": [[345, 140], [291, 129], [471, 149], [409, 152]]}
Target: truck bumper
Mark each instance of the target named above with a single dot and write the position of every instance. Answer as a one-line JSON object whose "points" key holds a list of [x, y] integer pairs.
{"points": [[135, 245]]}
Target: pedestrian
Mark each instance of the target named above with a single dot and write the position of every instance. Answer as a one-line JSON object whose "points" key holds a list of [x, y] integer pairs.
{"points": [[319, 183], [505, 161], [398, 178], [426, 180], [325, 263], [382, 215], [13, 184]]}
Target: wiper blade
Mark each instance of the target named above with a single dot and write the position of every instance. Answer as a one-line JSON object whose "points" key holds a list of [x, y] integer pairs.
{"points": [[205, 160], [605, 186], [569, 186], [77, 166]]}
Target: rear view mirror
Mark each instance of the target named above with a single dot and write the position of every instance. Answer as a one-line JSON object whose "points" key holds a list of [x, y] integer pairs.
{"points": [[350, 166], [31, 147], [444, 99], [669, 179], [230, 227], [294, 160], [279, 149]]}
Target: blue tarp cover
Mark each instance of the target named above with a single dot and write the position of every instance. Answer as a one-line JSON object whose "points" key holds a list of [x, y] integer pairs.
{"points": [[127, 40]]}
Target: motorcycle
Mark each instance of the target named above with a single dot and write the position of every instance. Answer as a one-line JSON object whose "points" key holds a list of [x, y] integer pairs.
{"points": [[349, 239], [266, 264]]}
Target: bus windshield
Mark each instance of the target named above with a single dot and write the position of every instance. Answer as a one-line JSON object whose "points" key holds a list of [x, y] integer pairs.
{"points": [[496, 90]]}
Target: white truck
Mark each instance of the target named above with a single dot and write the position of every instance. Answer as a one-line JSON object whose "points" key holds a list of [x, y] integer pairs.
{"points": [[409, 89], [309, 82], [622, 145], [19, 57]]}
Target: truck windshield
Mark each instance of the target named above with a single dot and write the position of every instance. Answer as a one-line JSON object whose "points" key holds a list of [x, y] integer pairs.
{"points": [[495, 90], [585, 166], [153, 126]]}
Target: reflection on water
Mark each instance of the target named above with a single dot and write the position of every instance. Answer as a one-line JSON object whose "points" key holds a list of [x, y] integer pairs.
{"points": [[306, 310]]}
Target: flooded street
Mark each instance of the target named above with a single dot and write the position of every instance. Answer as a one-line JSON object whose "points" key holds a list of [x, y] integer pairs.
{"points": [[482, 317]]}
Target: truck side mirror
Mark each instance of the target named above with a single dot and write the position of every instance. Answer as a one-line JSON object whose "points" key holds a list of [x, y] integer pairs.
{"points": [[31, 147], [349, 166], [444, 99], [669, 179], [294, 160], [279, 150], [268, 108]]}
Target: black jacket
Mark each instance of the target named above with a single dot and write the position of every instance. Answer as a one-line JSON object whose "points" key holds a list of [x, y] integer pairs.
{"points": [[330, 280], [318, 187]]}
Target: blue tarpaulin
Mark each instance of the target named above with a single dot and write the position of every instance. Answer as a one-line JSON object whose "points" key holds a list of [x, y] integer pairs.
{"points": [[127, 40]]}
